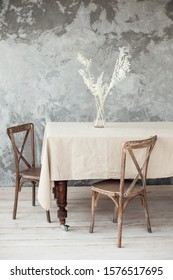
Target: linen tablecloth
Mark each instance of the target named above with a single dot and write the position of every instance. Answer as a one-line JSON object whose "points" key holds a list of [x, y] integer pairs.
{"points": [[79, 151]]}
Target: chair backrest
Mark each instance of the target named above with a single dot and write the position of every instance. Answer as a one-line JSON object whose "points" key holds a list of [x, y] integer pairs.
{"points": [[140, 161], [22, 140]]}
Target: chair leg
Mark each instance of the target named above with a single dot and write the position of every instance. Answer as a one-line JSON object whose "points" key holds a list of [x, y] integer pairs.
{"points": [[54, 192], [92, 211], [16, 199], [33, 193], [120, 223], [115, 215], [145, 205], [48, 216]]}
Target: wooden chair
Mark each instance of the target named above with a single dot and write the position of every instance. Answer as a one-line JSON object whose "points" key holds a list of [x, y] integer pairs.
{"points": [[123, 191], [22, 140]]}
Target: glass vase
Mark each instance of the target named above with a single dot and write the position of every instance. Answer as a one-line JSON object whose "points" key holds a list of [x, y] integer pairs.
{"points": [[99, 114]]}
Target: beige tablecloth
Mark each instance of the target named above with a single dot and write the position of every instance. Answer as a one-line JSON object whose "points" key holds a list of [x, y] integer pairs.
{"points": [[76, 151]]}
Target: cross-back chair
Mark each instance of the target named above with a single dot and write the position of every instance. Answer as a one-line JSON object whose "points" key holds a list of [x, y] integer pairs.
{"points": [[123, 191], [22, 140]]}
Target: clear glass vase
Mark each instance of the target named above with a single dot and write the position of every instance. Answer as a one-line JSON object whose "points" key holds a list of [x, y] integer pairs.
{"points": [[99, 114]]}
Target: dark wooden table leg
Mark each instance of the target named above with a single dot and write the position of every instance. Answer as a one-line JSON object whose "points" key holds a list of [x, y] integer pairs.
{"points": [[61, 197]]}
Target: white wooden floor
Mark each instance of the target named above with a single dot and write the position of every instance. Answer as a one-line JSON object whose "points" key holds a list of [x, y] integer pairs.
{"points": [[31, 237]]}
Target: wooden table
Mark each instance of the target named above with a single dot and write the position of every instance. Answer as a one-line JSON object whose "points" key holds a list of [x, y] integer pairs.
{"points": [[79, 151]]}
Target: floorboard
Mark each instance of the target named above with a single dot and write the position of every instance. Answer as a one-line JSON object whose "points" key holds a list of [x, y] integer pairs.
{"points": [[31, 237]]}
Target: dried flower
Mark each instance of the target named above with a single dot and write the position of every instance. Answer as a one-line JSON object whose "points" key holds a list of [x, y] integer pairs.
{"points": [[99, 89]]}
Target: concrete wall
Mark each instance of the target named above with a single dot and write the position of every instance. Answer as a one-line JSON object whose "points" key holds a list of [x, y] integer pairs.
{"points": [[39, 79]]}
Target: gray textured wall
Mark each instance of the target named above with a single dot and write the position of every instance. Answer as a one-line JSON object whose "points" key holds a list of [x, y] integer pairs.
{"points": [[39, 80]]}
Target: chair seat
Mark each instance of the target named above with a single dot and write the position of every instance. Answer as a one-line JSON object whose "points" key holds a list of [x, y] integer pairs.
{"points": [[31, 173], [111, 188]]}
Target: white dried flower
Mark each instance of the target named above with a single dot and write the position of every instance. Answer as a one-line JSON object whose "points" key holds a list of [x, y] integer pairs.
{"points": [[122, 67], [99, 89], [86, 62]]}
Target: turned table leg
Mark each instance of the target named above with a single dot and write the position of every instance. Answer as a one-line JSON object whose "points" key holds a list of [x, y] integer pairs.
{"points": [[61, 197]]}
